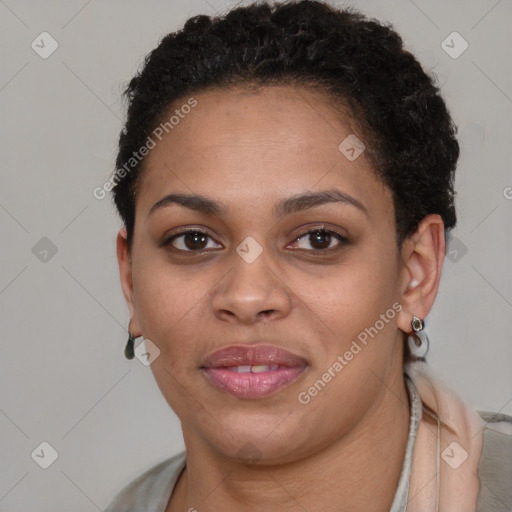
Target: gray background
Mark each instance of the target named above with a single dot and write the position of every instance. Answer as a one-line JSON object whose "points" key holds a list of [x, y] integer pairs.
{"points": [[63, 321]]}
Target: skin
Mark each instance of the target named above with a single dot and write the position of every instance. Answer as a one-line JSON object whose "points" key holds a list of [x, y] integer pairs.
{"points": [[250, 149]]}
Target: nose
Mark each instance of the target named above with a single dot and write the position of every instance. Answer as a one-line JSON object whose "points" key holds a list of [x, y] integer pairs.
{"points": [[251, 292]]}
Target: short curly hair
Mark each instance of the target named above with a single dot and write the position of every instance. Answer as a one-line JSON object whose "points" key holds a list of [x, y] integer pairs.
{"points": [[359, 62]]}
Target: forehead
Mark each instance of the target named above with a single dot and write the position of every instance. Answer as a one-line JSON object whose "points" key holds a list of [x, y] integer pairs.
{"points": [[243, 146]]}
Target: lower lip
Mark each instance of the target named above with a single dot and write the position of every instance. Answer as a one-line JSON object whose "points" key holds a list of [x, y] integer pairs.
{"points": [[252, 385]]}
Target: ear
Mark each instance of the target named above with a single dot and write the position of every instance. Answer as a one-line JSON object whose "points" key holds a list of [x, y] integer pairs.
{"points": [[422, 260], [125, 274]]}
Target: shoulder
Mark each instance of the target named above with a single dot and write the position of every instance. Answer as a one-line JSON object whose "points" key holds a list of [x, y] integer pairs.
{"points": [[151, 490], [495, 466]]}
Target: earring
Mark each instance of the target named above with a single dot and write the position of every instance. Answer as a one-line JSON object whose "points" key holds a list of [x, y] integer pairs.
{"points": [[418, 340], [128, 351]]}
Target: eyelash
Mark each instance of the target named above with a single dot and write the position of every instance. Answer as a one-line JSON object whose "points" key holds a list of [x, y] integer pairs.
{"points": [[342, 239]]}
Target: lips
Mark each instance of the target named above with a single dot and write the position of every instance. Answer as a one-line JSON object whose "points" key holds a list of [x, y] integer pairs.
{"points": [[252, 371], [254, 355]]}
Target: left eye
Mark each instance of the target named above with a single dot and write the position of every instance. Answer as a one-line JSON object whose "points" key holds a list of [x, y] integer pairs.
{"points": [[320, 239], [191, 241]]}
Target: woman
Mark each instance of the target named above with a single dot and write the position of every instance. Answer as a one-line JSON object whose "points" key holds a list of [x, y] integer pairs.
{"points": [[285, 180]]}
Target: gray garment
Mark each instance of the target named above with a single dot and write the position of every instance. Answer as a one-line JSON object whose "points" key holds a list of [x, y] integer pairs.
{"points": [[495, 466], [402, 490], [151, 491]]}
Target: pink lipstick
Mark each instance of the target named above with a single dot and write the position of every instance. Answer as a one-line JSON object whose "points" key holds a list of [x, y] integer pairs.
{"points": [[252, 371]]}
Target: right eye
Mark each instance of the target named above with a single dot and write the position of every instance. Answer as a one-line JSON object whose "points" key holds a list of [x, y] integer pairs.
{"points": [[190, 240]]}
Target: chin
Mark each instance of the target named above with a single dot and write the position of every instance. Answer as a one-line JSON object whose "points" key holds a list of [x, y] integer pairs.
{"points": [[257, 439]]}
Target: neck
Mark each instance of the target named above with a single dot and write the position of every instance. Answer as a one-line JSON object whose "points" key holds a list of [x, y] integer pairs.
{"points": [[360, 471]]}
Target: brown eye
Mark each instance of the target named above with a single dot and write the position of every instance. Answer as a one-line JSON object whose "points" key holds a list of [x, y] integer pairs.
{"points": [[321, 240], [193, 240]]}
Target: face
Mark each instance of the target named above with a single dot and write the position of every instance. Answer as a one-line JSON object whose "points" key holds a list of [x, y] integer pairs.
{"points": [[303, 293]]}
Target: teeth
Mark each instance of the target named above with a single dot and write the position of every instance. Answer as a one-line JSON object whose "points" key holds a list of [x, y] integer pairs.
{"points": [[260, 368], [253, 369]]}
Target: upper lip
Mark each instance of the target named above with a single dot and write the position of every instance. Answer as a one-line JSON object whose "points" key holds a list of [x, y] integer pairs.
{"points": [[260, 354]]}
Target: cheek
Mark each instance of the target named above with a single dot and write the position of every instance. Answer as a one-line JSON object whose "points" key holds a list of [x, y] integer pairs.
{"points": [[349, 298], [184, 397], [167, 302]]}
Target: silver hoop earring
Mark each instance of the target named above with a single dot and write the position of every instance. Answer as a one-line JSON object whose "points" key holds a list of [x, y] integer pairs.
{"points": [[418, 340]]}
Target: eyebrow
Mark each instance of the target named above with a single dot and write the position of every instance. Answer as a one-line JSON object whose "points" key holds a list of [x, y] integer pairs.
{"points": [[284, 207]]}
